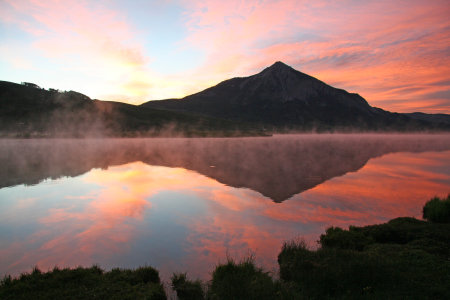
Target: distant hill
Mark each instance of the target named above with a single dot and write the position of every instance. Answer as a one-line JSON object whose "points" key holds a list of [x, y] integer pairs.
{"points": [[284, 98], [29, 111], [434, 118]]}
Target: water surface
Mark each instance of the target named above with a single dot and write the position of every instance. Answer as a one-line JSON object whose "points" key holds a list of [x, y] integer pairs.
{"points": [[185, 204]]}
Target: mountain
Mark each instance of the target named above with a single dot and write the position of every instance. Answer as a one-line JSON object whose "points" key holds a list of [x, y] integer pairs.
{"points": [[29, 111], [282, 97]]}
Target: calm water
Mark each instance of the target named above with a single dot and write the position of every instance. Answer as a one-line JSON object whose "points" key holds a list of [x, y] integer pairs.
{"points": [[185, 204]]}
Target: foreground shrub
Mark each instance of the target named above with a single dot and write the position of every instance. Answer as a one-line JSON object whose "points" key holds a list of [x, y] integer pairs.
{"points": [[241, 281], [433, 238], [187, 289], [437, 210], [331, 272], [336, 237], [404, 258], [84, 283]]}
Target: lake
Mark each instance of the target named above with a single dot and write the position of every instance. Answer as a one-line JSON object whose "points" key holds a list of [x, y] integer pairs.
{"points": [[184, 205]]}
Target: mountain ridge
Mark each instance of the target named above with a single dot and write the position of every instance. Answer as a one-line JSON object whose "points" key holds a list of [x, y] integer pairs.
{"points": [[281, 97], [29, 111]]}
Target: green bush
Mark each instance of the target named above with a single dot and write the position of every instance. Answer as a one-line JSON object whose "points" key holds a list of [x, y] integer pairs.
{"points": [[187, 289], [437, 210], [336, 237], [331, 272], [241, 281], [84, 283], [404, 258]]}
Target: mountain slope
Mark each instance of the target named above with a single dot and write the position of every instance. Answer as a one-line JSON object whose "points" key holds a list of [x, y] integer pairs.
{"points": [[283, 97], [434, 118], [29, 111]]}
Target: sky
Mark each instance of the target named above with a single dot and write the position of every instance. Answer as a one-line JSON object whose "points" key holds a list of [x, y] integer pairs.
{"points": [[396, 54]]}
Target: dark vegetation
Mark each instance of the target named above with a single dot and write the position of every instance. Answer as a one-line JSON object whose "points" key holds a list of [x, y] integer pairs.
{"points": [[241, 280], [437, 210], [404, 258], [84, 283], [435, 118], [187, 289]]}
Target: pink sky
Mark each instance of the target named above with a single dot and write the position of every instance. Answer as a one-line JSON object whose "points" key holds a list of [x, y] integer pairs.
{"points": [[396, 54]]}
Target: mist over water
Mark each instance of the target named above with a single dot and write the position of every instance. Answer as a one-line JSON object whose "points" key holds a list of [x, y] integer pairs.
{"points": [[278, 166], [183, 204]]}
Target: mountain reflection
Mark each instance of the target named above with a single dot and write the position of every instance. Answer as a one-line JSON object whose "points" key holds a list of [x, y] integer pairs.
{"points": [[277, 167]]}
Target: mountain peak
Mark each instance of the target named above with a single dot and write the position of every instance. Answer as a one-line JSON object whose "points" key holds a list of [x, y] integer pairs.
{"points": [[279, 66], [280, 73]]}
